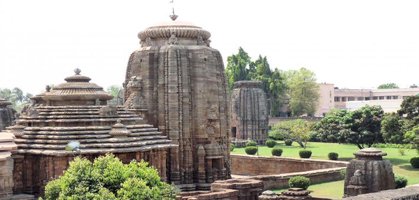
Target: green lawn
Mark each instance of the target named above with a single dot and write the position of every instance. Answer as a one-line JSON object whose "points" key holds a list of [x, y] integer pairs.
{"points": [[333, 190], [401, 164]]}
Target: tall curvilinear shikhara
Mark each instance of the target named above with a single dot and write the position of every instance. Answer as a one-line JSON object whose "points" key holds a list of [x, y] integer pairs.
{"points": [[176, 80]]}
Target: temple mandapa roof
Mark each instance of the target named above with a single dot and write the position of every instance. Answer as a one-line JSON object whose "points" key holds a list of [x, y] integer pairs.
{"points": [[47, 129]]}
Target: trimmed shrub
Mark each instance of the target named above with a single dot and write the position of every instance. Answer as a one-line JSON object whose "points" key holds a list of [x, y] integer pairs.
{"points": [[278, 134], [276, 151], [288, 142], [401, 181], [232, 146], [333, 156], [305, 153], [414, 162], [270, 143], [251, 150], [251, 143], [299, 182]]}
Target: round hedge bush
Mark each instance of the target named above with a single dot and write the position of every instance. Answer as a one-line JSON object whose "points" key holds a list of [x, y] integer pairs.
{"points": [[414, 162], [251, 150], [299, 182], [232, 146], [288, 142], [270, 143], [251, 143], [333, 156], [401, 181], [305, 153], [276, 151]]}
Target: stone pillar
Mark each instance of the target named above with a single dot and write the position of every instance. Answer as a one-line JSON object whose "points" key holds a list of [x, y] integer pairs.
{"points": [[368, 172], [201, 164]]}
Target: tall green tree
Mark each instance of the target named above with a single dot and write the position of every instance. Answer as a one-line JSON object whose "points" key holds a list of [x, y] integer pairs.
{"points": [[388, 86], [410, 109], [329, 128], [303, 91], [237, 67], [365, 126], [241, 67], [297, 130], [16, 96], [392, 128], [114, 91], [277, 88]]}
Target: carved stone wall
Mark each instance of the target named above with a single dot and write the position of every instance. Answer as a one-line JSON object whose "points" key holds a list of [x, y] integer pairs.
{"points": [[34, 171], [249, 115], [183, 89]]}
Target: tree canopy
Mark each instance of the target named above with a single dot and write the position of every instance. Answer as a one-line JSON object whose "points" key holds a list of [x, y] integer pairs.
{"points": [[241, 67], [16, 96], [303, 91], [108, 178], [388, 86], [410, 108], [296, 130]]}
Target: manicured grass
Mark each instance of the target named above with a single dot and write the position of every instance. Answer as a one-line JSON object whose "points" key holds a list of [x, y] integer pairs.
{"points": [[401, 164], [333, 190]]}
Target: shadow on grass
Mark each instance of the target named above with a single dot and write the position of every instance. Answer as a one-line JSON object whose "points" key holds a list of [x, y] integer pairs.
{"points": [[394, 161], [346, 158], [408, 168], [398, 161]]}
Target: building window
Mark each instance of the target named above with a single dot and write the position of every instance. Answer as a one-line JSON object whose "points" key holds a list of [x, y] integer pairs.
{"points": [[388, 97], [381, 97], [395, 97], [343, 99], [360, 98], [351, 98], [337, 99], [367, 98], [374, 98]]}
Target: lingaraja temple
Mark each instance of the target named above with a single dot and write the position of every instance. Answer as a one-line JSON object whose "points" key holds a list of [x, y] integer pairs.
{"points": [[77, 111], [177, 81]]}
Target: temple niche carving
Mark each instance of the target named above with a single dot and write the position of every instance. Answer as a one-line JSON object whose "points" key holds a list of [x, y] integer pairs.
{"points": [[249, 115], [77, 110], [183, 93]]}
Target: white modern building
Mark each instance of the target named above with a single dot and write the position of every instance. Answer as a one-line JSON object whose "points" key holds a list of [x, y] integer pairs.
{"points": [[352, 99]]}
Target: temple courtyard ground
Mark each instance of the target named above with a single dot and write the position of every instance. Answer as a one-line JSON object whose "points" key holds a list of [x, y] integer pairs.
{"points": [[401, 164]]}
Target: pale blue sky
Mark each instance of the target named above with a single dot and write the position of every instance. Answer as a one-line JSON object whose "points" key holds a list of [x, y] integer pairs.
{"points": [[353, 43]]}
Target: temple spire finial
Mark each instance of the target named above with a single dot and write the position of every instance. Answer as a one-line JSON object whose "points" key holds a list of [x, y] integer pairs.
{"points": [[77, 71], [173, 16]]}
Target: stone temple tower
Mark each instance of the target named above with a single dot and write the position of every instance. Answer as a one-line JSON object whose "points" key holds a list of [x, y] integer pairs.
{"points": [[249, 112], [177, 82]]}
